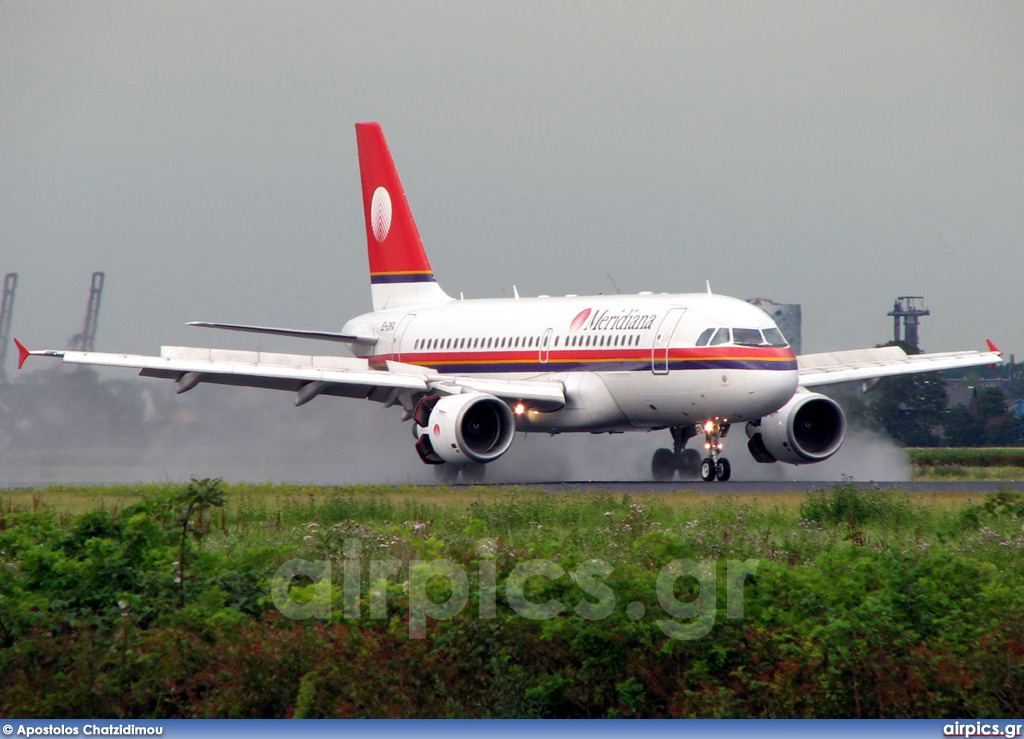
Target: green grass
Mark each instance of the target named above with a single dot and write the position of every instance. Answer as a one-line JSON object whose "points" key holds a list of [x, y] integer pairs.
{"points": [[963, 463], [967, 456], [877, 603]]}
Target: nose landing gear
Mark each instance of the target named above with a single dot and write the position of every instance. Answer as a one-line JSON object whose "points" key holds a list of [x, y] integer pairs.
{"points": [[713, 466]]}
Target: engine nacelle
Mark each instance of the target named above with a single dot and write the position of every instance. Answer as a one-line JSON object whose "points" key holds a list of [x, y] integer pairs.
{"points": [[809, 428], [471, 427]]}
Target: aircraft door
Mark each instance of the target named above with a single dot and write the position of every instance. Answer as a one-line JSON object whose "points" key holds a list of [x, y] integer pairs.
{"points": [[396, 342], [545, 346], [663, 340]]}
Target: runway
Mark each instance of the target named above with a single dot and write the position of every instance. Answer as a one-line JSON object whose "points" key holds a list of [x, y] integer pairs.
{"points": [[762, 488], [620, 487]]}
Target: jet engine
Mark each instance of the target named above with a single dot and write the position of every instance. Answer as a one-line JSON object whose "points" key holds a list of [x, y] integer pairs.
{"points": [[809, 428], [471, 427]]}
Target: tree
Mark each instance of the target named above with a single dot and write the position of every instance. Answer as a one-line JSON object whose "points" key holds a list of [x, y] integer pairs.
{"points": [[910, 407], [199, 496]]}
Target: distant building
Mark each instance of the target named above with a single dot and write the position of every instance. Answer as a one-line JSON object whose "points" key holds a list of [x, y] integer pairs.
{"points": [[787, 316]]}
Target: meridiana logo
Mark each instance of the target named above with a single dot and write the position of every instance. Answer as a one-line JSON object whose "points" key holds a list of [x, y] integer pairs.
{"points": [[380, 214], [579, 320]]}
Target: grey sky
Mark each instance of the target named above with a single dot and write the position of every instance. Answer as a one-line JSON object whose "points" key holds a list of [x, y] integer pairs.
{"points": [[203, 155]]}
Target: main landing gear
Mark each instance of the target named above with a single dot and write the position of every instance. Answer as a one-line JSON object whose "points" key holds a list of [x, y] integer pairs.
{"points": [[447, 473], [688, 462]]}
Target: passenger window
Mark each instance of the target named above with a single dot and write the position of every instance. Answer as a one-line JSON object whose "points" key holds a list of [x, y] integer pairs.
{"points": [[705, 337], [774, 337], [747, 337], [721, 337]]}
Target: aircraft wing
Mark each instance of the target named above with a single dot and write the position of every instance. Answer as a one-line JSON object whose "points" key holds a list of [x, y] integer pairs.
{"points": [[308, 375], [870, 364], [293, 332]]}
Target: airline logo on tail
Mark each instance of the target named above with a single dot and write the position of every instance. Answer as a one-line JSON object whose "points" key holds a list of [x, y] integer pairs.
{"points": [[380, 214]]}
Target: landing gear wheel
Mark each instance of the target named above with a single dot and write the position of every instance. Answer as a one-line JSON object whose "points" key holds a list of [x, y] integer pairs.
{"points": [[663, 465], [689, 463], [708, 470], [445, 474], [723, 469], [474, 472]]}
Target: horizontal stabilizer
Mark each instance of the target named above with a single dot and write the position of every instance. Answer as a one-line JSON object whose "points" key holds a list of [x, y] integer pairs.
{"points": [[296, 333]]}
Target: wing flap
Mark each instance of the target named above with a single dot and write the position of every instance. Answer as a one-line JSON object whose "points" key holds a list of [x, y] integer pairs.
{"points": [[868, 364], [545, 395], [255, 369]]}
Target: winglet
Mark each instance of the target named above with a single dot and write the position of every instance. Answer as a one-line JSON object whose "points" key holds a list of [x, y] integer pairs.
{"points": [[23, 354], [993, 348]]}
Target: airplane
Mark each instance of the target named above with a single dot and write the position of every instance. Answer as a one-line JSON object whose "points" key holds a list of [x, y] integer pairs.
{"points": [[469, 374]]}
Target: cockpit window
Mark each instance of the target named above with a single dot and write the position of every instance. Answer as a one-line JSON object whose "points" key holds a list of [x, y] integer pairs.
{"points": [[705, 337], [721, 337], [774, 337], [747, 337]]}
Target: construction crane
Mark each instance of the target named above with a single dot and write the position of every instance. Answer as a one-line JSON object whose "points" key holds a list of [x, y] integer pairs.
{"points": [[86, 341], [6, 308]]}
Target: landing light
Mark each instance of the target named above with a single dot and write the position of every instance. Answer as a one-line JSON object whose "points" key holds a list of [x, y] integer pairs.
{"points": [[520, 409], [709, 426]]}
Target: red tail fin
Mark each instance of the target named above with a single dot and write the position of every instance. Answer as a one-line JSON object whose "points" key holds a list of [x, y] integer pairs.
{"points": [[400, 273]]}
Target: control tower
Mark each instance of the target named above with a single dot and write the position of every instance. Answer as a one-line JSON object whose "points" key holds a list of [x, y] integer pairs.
{"points": [[909, 308]]}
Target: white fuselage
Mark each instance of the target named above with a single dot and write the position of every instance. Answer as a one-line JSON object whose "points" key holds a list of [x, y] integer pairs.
{"points": [[626, 361]]}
